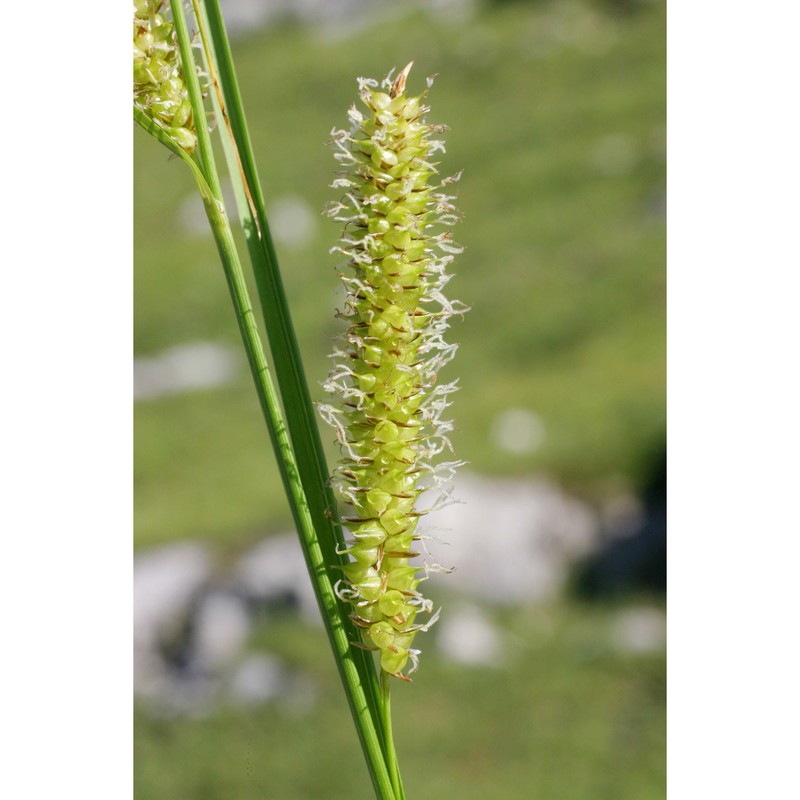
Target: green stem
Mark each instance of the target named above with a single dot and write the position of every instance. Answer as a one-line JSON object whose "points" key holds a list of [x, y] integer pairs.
{"points": [[315, 560], [291, 480], [319, 555], [301, 417], [386, 713]]}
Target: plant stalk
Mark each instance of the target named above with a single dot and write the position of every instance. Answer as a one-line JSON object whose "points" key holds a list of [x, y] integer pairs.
{"points": [[386, 712], [318, 554], [300, 413]]}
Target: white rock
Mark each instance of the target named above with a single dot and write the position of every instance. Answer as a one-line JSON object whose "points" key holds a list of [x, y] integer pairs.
{"points": [[275, 571], [246, 15], [641, 629], [165, 581], [220, 630], [510, 541], [466, 635], [183, 368], [258, 679]]}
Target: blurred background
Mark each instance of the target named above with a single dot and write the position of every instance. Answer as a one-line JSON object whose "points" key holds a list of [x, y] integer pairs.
{"points": [[545, 676]]}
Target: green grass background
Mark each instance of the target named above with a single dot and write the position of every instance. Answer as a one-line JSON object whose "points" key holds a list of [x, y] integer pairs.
{"points": [[565, 718], [564, 270]]}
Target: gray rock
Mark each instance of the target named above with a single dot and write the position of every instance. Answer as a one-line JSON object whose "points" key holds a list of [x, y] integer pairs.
{"points": [[246, 15], [257, 680], [510, 541], [165, 583], [640, 629], [220, 627], [262, 678], [274, 573], [184, 368], [467, 636]]}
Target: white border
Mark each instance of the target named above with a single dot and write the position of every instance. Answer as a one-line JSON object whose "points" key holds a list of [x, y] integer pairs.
{"points": [[65, 328], [733, 399]]}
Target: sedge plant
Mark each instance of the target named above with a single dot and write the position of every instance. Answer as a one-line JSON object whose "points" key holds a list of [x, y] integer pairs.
{"points": [[388, 418], [386, 407]]}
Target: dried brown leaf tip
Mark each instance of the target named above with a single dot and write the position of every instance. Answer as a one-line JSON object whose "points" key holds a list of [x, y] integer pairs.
{"points": [[399, 85]]}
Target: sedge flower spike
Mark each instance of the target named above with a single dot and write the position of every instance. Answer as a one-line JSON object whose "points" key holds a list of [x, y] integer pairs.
{"points": [[158, 86], [388, 419]]}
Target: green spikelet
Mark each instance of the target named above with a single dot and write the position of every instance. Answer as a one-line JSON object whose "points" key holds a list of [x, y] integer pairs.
{"points": [[158, 86], [388, 422]]}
